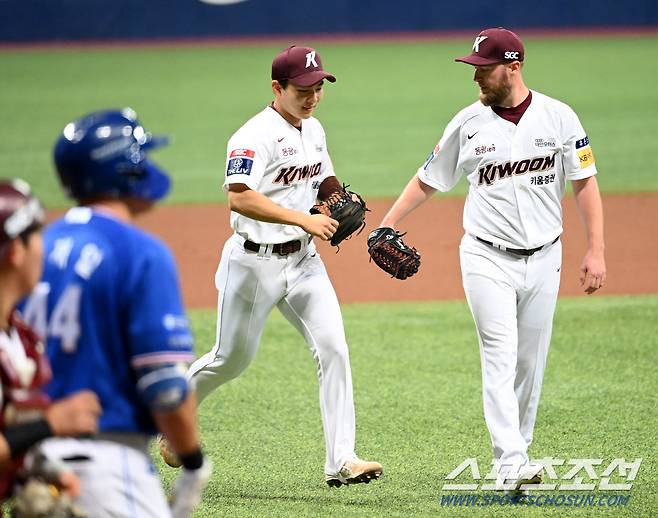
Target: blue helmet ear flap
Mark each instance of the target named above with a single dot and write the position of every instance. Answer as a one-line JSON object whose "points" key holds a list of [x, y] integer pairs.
{"points": [[104, 154]]}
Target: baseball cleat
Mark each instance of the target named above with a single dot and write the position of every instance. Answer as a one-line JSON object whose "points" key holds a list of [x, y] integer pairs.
{"points": [[531, 475], [355, 471], [168, 455]]}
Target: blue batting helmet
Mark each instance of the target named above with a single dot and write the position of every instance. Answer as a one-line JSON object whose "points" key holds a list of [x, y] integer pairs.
{"points": [[104, 154]]}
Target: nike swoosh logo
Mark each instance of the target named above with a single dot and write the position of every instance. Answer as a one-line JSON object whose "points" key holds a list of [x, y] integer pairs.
{"points": [[280, 139], [471, 136]]}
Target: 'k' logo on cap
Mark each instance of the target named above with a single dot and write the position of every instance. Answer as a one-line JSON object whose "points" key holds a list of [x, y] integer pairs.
{"points": [[478, 40], [502, 46], [302, 66], [310, 59]]}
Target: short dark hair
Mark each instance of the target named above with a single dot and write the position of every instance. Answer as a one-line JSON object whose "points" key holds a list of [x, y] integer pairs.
{"points": [[283, 83], [25, 235]]}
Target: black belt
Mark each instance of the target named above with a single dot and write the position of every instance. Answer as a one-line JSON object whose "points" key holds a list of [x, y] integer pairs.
{"points": [[517, 251], [289, 247]]}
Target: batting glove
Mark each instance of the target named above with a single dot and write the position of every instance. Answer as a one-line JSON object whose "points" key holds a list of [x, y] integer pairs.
{"points": [[188, 488]]}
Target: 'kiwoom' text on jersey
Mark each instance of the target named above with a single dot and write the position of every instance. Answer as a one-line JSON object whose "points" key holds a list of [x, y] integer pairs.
{"points": [[517, 173], [287, 165]]}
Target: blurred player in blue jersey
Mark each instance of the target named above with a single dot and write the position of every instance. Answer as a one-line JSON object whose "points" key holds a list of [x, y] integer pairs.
{"points": [[27, 415], [109, 304]]}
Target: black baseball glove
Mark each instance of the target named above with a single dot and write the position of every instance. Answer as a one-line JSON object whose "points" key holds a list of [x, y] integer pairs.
{"points": [[350, 214], [391, 254]]}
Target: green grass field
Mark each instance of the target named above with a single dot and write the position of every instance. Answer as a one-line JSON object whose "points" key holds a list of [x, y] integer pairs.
{"points": [[416, 366], [382, 117], [419, 410]]}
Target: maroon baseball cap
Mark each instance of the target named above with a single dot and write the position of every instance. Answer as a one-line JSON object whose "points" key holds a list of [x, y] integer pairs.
{"points": [[20, 211], [299, 65], [494, 46]]}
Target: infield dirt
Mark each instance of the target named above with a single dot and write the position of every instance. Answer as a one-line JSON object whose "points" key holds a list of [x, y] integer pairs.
{"points": [[196, 234]]}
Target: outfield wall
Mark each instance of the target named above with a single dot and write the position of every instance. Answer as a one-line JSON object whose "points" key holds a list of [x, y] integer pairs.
{"points": [[78, 20]]}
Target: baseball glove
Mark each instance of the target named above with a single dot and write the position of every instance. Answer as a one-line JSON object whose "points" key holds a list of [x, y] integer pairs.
{"points": [[39, 499], [391, 254], [350, 214]]}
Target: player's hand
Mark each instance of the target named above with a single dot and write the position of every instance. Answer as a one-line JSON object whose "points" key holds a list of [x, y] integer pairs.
{"points": [[74, 415], [320, 226], [592, 272], [188, 488], [69, 483]]}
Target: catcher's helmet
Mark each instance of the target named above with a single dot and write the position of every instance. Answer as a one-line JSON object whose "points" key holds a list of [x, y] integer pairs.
{"points": [[104, 154], [20, 211]]}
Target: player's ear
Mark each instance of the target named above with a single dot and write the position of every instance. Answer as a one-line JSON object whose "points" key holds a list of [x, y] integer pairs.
{"points": [[137, 205], [14, 253], [276, 87]]}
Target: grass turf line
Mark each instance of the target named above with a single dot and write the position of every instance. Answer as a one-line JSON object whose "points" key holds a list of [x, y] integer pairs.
{"points": [[419, 410], [380, 125]]}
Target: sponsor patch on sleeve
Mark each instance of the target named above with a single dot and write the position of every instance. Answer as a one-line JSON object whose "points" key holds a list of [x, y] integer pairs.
{"points": [[431, 156], [586, 157], [584, 151], [242, 152], [240, 161], [428, 160]]}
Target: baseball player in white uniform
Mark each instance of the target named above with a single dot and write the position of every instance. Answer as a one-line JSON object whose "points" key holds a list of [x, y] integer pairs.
{"points": [[277, 166], [517, 149]]}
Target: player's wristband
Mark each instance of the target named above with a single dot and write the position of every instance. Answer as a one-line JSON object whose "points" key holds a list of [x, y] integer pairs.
{"points": [[23, 436], [192, 461]]}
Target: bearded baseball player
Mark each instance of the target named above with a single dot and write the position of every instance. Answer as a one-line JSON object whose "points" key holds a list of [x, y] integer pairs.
{"points": [[517, 149], [109, 305], [277, 166]]}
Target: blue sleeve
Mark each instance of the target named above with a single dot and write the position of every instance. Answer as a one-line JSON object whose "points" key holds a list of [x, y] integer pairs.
{"points": [[158, 329]]}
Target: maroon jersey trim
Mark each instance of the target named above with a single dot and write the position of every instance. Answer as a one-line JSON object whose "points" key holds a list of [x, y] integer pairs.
{"points": [[513, 114]]}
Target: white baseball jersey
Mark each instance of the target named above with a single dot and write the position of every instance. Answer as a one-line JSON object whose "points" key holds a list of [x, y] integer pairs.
{"points": [[285, 164], [517, 173]]}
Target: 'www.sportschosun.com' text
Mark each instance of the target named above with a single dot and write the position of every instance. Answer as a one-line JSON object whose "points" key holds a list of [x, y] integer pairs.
{"points": [[559, 500]]}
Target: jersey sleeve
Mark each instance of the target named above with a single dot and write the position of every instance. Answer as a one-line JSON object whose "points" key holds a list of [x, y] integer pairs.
{"points": [[440, 169], [246, 159], [158, 329], [577, 155]]}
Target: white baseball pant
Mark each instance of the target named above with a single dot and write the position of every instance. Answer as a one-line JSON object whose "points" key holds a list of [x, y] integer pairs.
{"points": [[512, 299], [117, 480], [250, 285]]}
